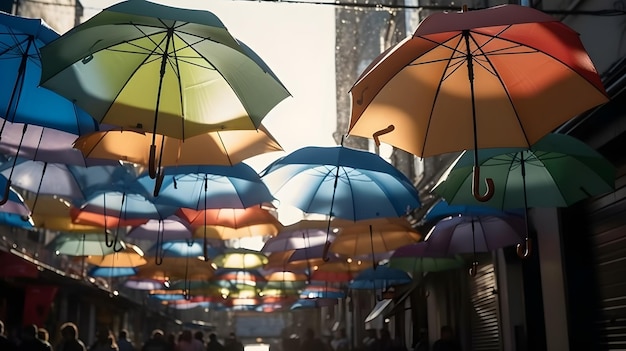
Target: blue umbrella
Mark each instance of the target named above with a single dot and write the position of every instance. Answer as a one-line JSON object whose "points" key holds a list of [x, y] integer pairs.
{"points": [[442, 210], [380, 278], [111, 272], [202, 187], [21, 98], [181, 248], [341, 182], [312, 303], [16, 220], [329, 293]]}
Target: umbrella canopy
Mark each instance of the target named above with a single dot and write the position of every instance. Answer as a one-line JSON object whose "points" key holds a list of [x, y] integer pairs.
{"points": [[498, 77], [225, 148], [442, 210], [415, 258], [143, 284], [290, 239], [312, 303], [322, 292], [232, 223], [125, 205], [467, 234], [380, 277], [54, 213], [285, 276], [181, 248], [16, 220], [21, 98], [329, 276], [111, 272], [170, 228], [86, 244], [130, 256], [557, 171], [171, 71], [202, 187], [175, 268], [43, 178], [240, 259], [342, 182], [374, 236]]}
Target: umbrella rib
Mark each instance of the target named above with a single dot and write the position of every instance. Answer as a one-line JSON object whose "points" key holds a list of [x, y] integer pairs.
{"points": [[504, 87], [432, 109], [176, 69]]}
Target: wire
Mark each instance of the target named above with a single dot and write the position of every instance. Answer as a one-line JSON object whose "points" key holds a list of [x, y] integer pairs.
{"points": [[379, 6]]}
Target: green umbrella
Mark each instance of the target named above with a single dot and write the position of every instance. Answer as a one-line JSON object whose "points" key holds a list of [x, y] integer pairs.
{"points": [[416, 258], [166, 70], [70, 244], [557, 171]]}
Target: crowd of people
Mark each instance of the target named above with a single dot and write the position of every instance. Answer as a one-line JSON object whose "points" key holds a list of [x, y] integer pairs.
{"points": [[32, 338]]}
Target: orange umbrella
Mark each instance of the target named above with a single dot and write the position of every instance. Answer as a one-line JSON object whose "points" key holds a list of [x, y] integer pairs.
{"points": [[374, 236], [130, 256], [231, 223], [175, 268], [498, 77], [216, 148], [101, 220]]}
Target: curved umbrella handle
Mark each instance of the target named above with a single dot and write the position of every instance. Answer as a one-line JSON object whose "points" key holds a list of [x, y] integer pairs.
{"points": [[390, 128], [473, 270], [524, 250], [476, 186], [158, 183], [7, 190], [117, 248], [325, 252], [152, 162], [106, 238]]}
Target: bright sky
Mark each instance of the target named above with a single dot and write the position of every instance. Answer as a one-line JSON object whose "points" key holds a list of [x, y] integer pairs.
{"points": [[297, 41]]}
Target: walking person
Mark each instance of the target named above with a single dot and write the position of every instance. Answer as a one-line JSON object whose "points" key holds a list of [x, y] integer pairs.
{"points": [[123, 343], [105, 341], [69, 338], [5, 342], [29, 340], [214, 344], [43, 335], [157, 342]]}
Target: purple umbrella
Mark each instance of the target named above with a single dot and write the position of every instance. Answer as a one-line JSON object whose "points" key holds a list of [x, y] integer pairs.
{"points": [[170, 228], [317, 252], [471, 234], [296, 239]]}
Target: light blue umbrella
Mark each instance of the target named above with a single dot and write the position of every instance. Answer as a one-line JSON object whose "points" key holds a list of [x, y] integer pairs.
{"points": [[341, 182], [181, 248], [111, 272], [16, 220], [21, 98], [202, 187], [442, 210]]}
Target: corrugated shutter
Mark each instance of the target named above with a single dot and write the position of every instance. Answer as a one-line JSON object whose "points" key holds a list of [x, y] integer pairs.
{"points": [[484, 313], [607, 217]]}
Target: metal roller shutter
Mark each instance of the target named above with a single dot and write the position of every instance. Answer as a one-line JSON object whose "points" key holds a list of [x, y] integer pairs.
{"points": [[484, 313]]}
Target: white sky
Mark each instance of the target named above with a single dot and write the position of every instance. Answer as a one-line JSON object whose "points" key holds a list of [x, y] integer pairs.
{"points": [[297, 41]]}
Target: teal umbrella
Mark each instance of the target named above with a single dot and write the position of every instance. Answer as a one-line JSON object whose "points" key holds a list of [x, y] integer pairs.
{"points": [[415, 258], [160, 69], [91, 244], [557, 171]]}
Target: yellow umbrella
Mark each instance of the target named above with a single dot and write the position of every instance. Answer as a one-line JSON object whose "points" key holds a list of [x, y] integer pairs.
{"points": [[214, 148], [285, 276], [240, 259], [131, 256], [53, 213], [175, 268], [374, 236]]}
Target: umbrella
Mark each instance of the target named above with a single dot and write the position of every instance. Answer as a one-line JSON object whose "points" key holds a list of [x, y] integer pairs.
{"points": [[54, 213], [111, 272], [556, 171], [16, 220], [443, 209], [471, 234], [341, 182], [498, 77], [312, 303], [224, 148], [240, 259], [415, 258], [289, 239], [143, 284], [374, 236], [231, 223], [130, 256], [171, 71], [329, 276], [170, 228], [21, 98], [322, 292], [85, 244], [175, 268], [380, 278], [202, 187], [181, 248]]}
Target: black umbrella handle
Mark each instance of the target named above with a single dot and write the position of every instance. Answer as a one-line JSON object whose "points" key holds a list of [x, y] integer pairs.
{"points": [[524, 250], [152, 172], [7, 190], [473, 270], [476, 186]]}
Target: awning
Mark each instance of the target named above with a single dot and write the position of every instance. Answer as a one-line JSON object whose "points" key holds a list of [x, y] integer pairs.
{"points": [[399, 303]]}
